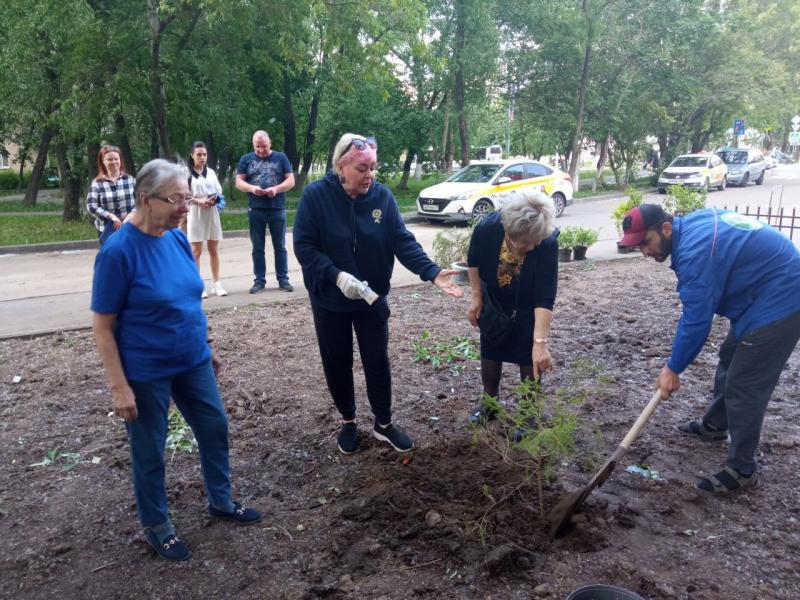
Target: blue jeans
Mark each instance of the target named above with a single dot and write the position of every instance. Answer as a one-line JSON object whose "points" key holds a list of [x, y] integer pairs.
{"points": [[260, 219], [197, 397]]}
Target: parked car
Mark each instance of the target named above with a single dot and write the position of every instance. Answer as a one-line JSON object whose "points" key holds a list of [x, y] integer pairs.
{"points": [[481, 186], [744, 165], [770, 162], [701, 171]]}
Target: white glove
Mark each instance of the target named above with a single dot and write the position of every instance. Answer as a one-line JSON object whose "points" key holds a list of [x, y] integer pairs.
{"points": [[350, 286], [354, 289]]}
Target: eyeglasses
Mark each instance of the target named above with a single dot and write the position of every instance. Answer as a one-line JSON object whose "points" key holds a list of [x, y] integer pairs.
{"points": [[360, 144], [179, 200]]}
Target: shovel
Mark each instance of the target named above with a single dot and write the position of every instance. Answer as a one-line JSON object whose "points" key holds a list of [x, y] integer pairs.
{"points": [[562, 512]]}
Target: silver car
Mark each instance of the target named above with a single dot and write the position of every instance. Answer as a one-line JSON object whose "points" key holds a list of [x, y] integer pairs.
{"points": [[744, 166]]}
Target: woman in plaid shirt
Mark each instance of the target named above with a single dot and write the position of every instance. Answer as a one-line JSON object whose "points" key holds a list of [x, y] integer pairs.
{"points": [[110, 199]]}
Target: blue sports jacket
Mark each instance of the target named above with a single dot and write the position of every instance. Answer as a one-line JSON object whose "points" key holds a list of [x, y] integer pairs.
{"points": [[334, 233], [733, 266]]}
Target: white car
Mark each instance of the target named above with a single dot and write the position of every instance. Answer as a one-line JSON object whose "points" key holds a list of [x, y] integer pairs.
{"points": [[700, 171], [481, 186]]}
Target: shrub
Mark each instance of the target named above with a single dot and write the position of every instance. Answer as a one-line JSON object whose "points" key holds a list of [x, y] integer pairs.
{"points": [[451, 246], [585, 236], [634, 199], [681, 200], [566, 239]]}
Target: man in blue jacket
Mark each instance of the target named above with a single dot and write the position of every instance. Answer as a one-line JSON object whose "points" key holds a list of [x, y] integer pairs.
{"points": [[746, 271]]}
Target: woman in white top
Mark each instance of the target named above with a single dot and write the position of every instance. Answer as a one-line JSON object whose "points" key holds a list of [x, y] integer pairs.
{"points": [[203, 224]]}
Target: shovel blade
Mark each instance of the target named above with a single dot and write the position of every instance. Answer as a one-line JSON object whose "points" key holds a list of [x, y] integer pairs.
{"points": [[561, 514]]}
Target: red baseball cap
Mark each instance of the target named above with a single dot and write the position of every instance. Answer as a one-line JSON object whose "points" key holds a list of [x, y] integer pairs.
{"points": [[638, 220]]}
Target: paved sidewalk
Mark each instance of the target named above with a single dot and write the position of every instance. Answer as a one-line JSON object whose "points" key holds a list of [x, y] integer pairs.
{"points": [[50, 291]]}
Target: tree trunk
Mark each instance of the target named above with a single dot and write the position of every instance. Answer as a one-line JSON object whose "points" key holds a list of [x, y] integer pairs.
{"points": [[577, 135], [308, 154], [459, 93], [403, 185], [601, 163], [71, 182], [442, 162], [449, 151], [121, 129], [38, 166], [331, 148], [158, 96], [289, 124], [92, 152]]}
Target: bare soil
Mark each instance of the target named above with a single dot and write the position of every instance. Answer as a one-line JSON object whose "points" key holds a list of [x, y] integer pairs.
{"points": [[372, 525]]}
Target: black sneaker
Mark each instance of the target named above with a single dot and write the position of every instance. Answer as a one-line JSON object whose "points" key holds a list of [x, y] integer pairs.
{"points": [[257, 287], [347, 440], [394, 436], [241, 514], [171, 548], [286, 286]]}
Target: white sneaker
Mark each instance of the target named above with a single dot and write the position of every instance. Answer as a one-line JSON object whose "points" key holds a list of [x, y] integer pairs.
{"points": [[204, 295], [218, 289]]}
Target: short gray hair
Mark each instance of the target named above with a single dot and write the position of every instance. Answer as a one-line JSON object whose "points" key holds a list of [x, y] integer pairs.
{"points": [[341, 145], [156, 176], [528, 216]]}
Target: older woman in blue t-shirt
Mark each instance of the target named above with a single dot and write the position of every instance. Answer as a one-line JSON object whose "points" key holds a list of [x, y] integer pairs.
{"points": [[151, 335]]}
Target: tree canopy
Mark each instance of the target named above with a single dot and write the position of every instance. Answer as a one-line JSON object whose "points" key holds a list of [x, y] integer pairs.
{"points": [[431, 79]]}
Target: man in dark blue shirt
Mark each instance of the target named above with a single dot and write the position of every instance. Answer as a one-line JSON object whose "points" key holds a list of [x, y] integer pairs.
{"points": [[265, 175]]}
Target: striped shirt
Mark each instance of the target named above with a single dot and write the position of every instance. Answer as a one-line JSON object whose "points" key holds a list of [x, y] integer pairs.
{"points": [[108, 198]]}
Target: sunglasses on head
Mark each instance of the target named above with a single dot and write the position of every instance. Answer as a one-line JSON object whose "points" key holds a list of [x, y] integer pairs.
{"points": [[361, 143]]}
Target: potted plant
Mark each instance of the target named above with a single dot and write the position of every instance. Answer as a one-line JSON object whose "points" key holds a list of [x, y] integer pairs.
{"points": [[566, 240], [618, 214], [584, 237], [450, 249]]}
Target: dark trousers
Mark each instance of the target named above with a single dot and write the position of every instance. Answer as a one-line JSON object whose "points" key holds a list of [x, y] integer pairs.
{"points": [[747, 373], [335, 338], [275, 219]]}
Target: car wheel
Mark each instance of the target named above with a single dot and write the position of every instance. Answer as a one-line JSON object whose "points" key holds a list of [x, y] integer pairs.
{"points": [[760, 180], [745, 180], [721, 186], [481, 209], [662, 190], [434, 221], [559, 203]]}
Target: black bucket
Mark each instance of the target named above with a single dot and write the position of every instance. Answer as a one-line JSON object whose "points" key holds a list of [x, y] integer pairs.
{"points": [[603, 592]]}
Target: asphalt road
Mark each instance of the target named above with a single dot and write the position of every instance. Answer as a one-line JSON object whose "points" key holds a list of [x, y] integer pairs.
{"points": [[50, 291]]}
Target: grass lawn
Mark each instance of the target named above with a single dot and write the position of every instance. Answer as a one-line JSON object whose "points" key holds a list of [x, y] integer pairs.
{"points": [[41, 206]]}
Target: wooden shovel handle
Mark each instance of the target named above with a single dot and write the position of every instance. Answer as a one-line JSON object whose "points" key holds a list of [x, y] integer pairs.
{"points": [[641, 421]]}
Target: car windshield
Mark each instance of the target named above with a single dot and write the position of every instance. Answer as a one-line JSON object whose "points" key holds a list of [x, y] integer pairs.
{"points": [[689, 161], [734, 157], [475, 173]]}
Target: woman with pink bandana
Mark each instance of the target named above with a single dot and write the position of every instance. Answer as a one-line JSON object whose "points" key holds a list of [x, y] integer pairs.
{"points": [[347, 233]]}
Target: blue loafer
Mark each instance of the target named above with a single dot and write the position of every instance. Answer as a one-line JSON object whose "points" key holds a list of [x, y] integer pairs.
{"points": [[171, 548], [241, 515]]}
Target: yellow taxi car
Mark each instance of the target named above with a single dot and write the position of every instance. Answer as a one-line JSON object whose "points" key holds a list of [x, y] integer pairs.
{"points": [[481, 186], [698, 171]]}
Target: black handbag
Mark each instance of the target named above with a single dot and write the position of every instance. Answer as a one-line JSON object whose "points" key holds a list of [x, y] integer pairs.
{"points": [[494, 323]]}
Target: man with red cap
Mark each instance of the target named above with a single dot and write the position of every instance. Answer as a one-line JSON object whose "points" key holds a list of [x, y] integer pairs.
{"points": [[746, 271]]}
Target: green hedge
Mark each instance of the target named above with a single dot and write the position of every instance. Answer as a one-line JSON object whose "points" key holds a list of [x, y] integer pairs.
{"points": [[9, 179]]}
